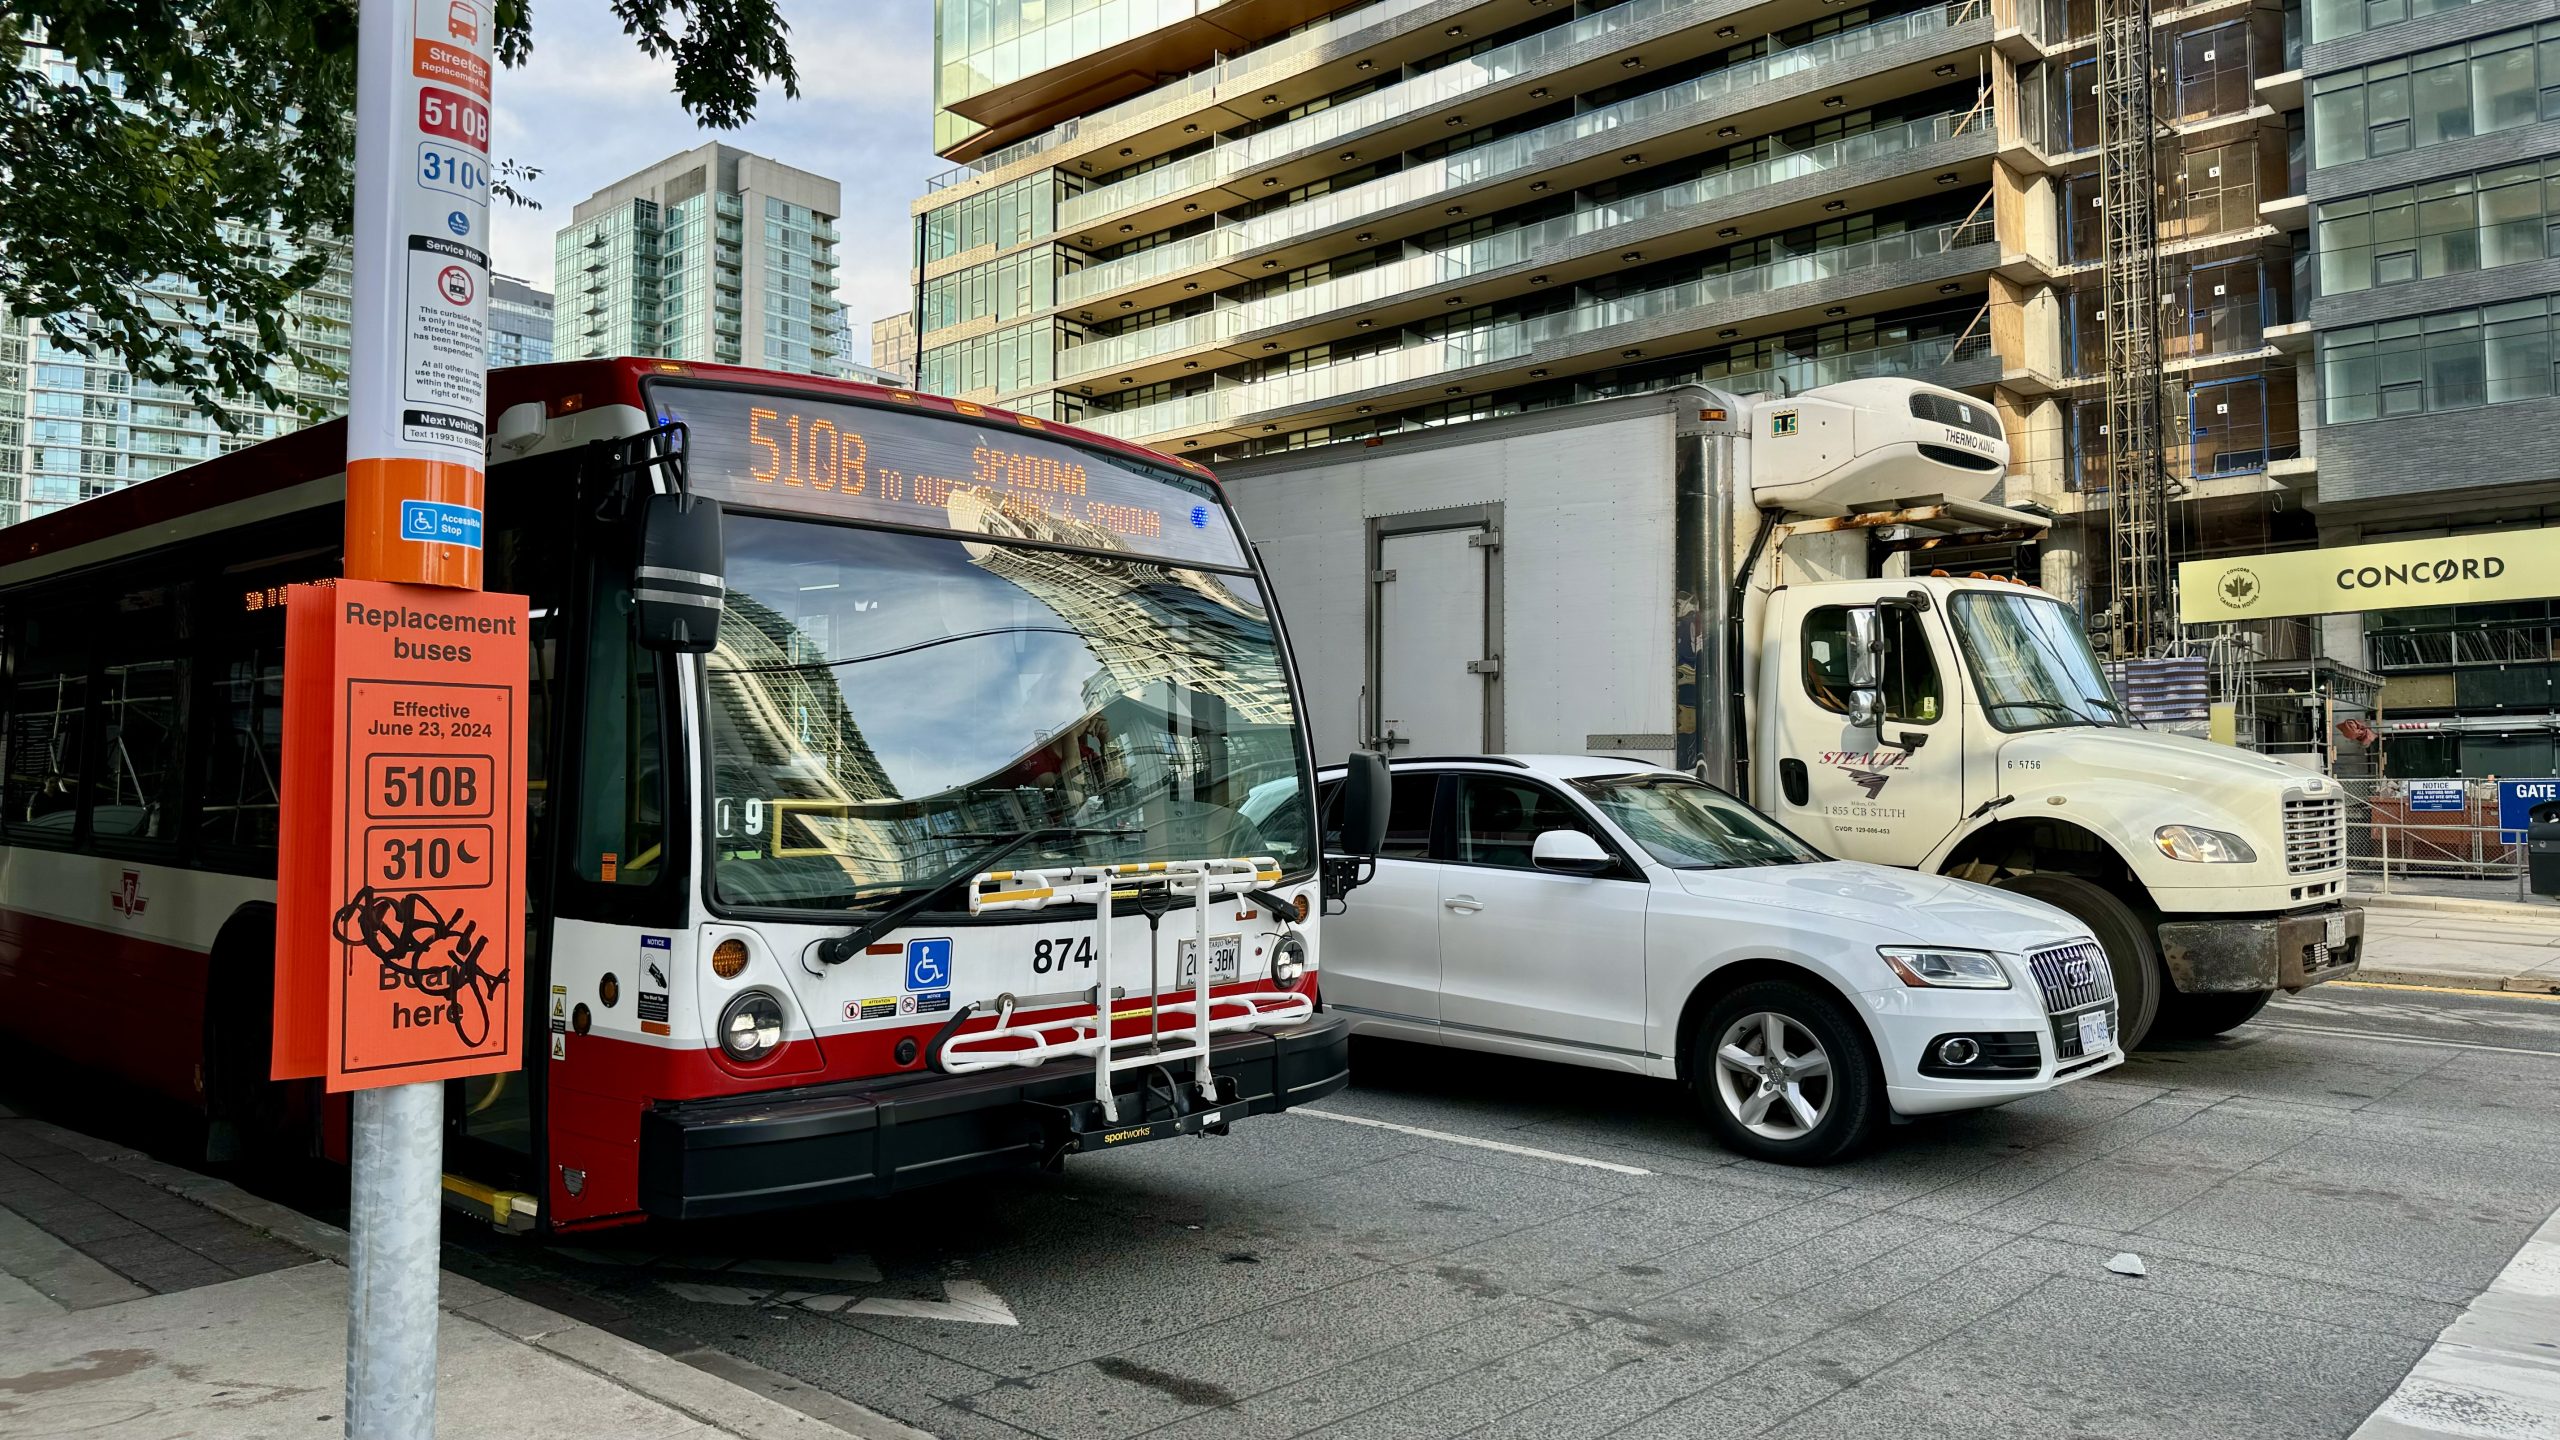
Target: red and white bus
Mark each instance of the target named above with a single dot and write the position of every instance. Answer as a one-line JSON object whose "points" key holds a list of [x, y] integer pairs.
{"points": [[824, 902]]}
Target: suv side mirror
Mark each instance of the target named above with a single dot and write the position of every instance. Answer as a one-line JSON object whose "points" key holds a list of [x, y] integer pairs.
{"points": [[682, 578], [1364, 804], [1569, 852]]}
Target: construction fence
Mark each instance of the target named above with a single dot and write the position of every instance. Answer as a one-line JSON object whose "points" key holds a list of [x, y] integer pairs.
{"points": [[2394, 849]]}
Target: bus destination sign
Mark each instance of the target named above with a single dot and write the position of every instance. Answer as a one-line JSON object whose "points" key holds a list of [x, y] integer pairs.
{"points": [[779, 451], [407, 900]]}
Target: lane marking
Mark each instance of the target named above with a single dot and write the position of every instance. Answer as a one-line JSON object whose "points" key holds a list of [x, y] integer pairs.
{"points": [[2409, 1039], [2445, 989], [1612, 1166]]}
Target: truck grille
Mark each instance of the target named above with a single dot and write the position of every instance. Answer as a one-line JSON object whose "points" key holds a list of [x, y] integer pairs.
{"points": [[2072, 976], [2315, 833]]}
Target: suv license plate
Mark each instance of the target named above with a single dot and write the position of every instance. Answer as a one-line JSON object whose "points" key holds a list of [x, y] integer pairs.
{"points": [[2337, 931], [2096, 1036]]}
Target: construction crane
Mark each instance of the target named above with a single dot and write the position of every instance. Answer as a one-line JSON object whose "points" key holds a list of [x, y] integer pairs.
{"points": [[2144, 622]]}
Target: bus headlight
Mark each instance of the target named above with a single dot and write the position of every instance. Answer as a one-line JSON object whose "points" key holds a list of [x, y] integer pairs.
{"points": [[1288, 962], [751, 1027]]}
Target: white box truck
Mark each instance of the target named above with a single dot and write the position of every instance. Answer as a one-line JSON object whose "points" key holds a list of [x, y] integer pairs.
{"points": [[1722, 584]]}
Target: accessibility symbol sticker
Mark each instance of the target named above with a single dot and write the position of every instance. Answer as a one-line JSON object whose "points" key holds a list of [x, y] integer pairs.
{"points": [[929, 964]]}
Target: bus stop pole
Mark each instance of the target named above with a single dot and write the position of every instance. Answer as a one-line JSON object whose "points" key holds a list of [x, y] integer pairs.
{"points": [[394, 1219], [417, 408]]}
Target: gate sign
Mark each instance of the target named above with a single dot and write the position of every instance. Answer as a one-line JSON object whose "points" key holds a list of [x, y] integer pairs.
{"points": [[400, 902], [2437, 795], [2516, 799]]}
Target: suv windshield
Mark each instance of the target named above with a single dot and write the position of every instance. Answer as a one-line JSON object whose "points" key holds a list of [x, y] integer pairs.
{"points": [[882, 705], [1690, 826], [2031, 664]]}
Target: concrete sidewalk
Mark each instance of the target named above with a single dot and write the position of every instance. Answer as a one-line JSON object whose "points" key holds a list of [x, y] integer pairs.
{"points": [[139, 1301], [2495, 1372], [2460, 944]]}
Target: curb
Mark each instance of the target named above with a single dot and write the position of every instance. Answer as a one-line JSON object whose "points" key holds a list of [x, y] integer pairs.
{"points": [[2509, 909], [2528, 984], [730, 1395]]}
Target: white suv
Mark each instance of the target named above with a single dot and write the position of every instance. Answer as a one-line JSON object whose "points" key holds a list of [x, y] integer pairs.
{"points": [[1612, 914]]}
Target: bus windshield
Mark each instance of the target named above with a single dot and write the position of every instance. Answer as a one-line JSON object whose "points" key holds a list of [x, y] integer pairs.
{"points": [[881, 705]]}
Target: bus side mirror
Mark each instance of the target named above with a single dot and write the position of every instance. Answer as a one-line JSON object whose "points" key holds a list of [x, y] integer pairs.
{"points": [[682, 578], [1364, 804]]}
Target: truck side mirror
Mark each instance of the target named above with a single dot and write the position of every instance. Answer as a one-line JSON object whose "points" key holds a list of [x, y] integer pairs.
{"points": [[1866, 708], [678, 587], [1364, 804], [1866, 648]]}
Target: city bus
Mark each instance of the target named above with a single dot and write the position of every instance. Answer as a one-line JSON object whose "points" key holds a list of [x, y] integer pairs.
{"points": [[968, 825]]}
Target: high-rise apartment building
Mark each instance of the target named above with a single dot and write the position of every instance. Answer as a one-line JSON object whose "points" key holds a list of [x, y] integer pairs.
{"points": [[1222, 229], [519, 323], [714, 255], [893, 346]]}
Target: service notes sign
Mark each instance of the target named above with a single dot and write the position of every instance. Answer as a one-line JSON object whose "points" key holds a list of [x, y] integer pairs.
{"points": [[418, 383], [760, 450], [400, 901], [2449, 570]]}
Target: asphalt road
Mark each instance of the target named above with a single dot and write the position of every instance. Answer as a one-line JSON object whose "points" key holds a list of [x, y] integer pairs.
{"points": [[2315, 1197]]}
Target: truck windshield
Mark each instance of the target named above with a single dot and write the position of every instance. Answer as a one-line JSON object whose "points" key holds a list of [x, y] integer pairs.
{"points": [[881, 704], [2031, 664], [1689, 826]]}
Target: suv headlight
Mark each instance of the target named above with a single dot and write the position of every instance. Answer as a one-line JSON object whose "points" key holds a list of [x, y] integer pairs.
{"points": [[1945, 969], [2208, 847], [751, 1026]]}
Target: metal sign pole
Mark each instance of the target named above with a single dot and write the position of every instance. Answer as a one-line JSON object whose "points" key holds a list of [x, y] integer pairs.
{"points": [[417, 405]]}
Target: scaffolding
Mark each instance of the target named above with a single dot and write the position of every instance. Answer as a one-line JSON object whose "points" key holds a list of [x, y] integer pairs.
{"points": [[2144, 619]]}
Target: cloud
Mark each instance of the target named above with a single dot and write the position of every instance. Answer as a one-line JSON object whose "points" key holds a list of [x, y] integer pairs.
{"points": [[588, 108]]}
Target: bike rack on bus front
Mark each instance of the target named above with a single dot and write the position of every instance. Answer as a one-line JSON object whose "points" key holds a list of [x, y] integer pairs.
{"points": [[1032, 1043]]}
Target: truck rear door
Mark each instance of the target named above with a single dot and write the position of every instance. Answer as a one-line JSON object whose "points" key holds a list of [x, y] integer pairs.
{"points": [[1432, 588]]}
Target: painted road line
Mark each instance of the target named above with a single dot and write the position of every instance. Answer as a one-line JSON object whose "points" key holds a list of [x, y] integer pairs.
{"points": [[1611, 1166], [2490, 1375], [2407, 1039], [965, 1301]]}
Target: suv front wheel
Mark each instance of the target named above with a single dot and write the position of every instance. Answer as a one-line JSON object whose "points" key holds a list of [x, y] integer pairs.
{"points": [[1786, 1074]]}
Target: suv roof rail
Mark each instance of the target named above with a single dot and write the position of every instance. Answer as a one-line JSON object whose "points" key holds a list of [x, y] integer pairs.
{"points": [[1459, 760]]}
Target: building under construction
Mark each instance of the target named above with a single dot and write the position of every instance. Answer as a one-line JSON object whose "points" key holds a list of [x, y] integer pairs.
{"points": [[2220, 266]]}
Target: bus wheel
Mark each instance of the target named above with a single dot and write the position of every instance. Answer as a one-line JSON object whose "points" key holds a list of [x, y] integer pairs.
{"points": [[248, 1116], [2133, 955]]}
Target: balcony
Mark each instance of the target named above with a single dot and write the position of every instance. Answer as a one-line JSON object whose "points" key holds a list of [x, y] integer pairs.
{"points": [[1506, 156], [1198, 252], [1118, 352], [1518, 339], [1513, 247]]}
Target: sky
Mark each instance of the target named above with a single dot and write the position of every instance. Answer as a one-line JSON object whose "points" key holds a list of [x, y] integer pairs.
{"points": [[588, 108]]}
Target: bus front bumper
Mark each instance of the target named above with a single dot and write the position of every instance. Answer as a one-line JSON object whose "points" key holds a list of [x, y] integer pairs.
{"points": [[822, 1144]]}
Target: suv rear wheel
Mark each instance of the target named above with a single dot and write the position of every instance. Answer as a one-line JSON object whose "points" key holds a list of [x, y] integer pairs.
{"points": [[1786, 1074]]}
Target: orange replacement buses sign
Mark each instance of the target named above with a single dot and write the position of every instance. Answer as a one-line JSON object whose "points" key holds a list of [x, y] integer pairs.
{"points": [[400, 902]]}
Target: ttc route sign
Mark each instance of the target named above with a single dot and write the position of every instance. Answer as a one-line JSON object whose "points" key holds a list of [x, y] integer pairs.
{"points": [[400, 905]]}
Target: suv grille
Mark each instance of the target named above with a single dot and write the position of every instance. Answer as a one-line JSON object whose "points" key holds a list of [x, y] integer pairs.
{"points": [[2315, 834], [2072, 976]]}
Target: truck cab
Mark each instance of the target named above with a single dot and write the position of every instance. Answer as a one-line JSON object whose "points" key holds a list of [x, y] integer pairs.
{"points": [[1965, 726]]}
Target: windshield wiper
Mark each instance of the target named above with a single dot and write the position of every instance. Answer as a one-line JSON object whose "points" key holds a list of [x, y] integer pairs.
{"points": [[2053, 705], [845, 947]]}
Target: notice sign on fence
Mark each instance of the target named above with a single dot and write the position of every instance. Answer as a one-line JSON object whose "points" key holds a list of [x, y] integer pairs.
{"points": [[2437, 795], [400, 902]]}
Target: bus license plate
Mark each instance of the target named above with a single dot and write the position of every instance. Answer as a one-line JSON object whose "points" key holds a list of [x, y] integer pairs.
{"points": [[2096, 1037], [2337, 931], [1226, 954]]}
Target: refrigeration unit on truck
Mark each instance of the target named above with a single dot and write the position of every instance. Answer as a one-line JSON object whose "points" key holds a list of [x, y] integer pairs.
{"points": [[1722, 584]]}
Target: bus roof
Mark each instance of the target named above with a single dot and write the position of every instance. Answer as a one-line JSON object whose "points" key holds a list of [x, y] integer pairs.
{"points": [[319, 452]]}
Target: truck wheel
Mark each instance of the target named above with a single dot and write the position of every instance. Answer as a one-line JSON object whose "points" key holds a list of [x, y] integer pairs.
{"points": [[2133, 954], [1786, 1074], [2193, 1017]]}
